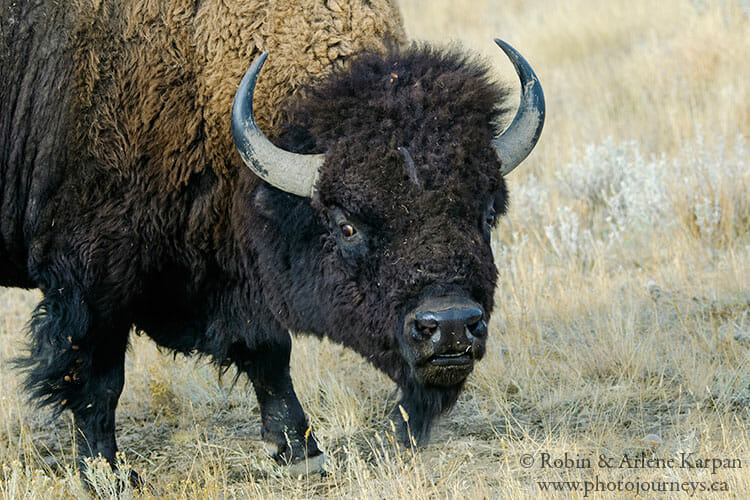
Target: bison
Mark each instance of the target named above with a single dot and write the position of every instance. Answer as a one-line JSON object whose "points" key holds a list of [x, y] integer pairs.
{"points": [[366, 218]]}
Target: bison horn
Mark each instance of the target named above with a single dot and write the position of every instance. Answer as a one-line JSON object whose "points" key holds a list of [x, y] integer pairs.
{"points": [[290, 172], [517, 141]]}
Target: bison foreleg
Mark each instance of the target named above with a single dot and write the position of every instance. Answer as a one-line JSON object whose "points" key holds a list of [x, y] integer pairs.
{"points": [[284, 426]]}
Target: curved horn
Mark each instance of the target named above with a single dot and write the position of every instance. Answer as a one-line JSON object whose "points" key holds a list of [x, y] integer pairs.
{"points": [[515, 144], [290, 172]]}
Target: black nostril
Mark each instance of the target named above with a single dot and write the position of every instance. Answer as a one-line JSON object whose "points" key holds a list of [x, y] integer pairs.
{"points": [[474, 322], [478, 328], [427, 323]]}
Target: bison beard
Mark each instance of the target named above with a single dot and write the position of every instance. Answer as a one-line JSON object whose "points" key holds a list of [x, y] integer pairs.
{"points": [[389, 256]]}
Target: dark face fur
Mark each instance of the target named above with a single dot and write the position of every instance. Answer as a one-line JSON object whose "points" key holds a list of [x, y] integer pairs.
{"points": [[392, 261]]}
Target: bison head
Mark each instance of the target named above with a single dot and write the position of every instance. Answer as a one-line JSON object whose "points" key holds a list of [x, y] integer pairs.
{"points": [[373, 226]]}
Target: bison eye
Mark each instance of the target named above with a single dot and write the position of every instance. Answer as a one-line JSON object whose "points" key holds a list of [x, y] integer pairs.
{"points": [[347, 230], [490, 220]]}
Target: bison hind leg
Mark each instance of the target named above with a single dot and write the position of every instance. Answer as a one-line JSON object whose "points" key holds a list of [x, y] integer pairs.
{"points": [[76, 363]]}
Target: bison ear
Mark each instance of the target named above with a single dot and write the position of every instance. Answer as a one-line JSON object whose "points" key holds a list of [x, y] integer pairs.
{"points": [[263, 202], [297, 139], [500, 203]]}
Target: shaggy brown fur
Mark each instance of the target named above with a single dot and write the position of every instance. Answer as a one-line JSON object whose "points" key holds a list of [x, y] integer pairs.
{"points": [[168, 70]]}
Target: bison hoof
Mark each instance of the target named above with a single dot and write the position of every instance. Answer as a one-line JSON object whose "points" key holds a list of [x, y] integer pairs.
{"points": [[297, 465], [296, 461], [309, 466], [137, 482]]}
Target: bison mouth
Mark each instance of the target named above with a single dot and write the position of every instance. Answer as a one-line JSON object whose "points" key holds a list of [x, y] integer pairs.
{"points": [[452, 359], [442, 337]]}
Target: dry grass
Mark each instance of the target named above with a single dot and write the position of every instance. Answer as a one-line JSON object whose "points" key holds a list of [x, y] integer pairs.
{"points": [[623, 316]]}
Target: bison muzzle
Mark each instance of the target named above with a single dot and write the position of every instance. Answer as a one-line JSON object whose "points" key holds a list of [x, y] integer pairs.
{"points": [[442, 337]]}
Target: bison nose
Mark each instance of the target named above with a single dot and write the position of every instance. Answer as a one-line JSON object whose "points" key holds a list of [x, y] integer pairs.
{"points": [[449, 321], [450, 324]]}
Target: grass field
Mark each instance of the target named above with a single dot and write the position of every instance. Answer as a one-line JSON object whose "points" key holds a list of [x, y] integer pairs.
{"points": [[622, 326]]}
